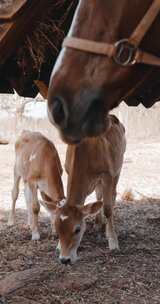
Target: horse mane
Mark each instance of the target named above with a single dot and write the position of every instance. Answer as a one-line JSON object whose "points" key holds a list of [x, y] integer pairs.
{"points": [[148, 92]]}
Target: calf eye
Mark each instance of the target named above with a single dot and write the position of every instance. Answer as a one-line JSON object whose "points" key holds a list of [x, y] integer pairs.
{"points": [[77, 230]]}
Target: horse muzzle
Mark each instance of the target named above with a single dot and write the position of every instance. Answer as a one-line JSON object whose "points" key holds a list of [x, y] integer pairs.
{"points": [[81, 117]]}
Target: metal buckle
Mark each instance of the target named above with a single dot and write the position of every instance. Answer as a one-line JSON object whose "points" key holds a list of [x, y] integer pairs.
{"points": [[125, 53]]}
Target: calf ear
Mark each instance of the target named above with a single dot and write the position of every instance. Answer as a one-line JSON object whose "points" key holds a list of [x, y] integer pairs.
{"points": [[91, 208], [49, 206]]}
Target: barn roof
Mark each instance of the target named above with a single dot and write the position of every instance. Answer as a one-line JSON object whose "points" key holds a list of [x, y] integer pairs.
{"points": [[31, 33]]}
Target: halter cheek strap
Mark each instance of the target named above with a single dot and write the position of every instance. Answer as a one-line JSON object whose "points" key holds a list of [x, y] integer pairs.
{"points": [[124, 52], [145, 23]]}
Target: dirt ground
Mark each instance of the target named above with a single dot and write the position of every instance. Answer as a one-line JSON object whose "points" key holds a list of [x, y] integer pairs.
{"points": [[30, 272]]}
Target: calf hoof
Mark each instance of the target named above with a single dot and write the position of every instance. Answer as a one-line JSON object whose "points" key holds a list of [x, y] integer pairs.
{"points": [[29, 223], [58, 248], [35, 236], [113, 244]]}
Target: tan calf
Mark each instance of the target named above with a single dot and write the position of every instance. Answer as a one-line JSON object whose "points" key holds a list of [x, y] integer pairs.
{"points": [[38, 164], [94, 164]]}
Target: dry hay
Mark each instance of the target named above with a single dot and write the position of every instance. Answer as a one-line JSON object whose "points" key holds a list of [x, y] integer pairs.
{"points": [[47, 35], [128, 196], [31, 274]]}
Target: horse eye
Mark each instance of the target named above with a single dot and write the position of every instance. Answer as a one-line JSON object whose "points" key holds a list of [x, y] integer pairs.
{"points": [[77, 230]]}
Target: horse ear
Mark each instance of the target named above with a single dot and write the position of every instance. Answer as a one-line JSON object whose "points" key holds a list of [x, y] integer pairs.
{"points": [[91, 208]]}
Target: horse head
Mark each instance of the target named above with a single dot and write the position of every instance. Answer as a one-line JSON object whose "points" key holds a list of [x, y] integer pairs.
{"points": [[85, 86]]}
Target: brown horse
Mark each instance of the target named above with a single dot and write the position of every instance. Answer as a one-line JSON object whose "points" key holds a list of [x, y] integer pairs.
{"points": [[84, 86]]}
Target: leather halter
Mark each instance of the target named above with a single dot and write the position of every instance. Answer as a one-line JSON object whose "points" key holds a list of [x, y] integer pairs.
{"points": [[124, 52]]}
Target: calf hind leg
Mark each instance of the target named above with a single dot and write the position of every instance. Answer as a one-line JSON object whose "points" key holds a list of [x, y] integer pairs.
{"points": [[28, 197], [109, 190], [33, 210], [100, 217], [15, 192]]}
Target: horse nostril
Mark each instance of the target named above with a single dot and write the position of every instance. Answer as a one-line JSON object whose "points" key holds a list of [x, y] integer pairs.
{"points": [[65, 261], [59, 111]]}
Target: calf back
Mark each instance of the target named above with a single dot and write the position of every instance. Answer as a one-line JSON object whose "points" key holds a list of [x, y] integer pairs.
{"points": [[37, 161], [94, 157]]}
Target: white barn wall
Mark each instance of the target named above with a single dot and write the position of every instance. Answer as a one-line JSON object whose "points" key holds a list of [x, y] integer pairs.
{"points": [[140, 123]]}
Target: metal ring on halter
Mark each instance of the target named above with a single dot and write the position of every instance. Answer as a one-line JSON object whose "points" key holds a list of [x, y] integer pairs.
{"points": [[125, 53]]}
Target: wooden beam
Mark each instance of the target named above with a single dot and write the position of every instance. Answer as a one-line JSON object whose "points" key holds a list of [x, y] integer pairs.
{"points": [[42, 87], [10, 12], [17, 280], [4, 29]]}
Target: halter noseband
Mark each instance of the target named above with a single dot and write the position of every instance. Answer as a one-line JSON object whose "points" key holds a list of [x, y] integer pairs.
{"points": [[124, 52]]}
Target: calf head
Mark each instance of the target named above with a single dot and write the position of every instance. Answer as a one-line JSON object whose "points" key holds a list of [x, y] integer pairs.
{"points": [[70, 227]]}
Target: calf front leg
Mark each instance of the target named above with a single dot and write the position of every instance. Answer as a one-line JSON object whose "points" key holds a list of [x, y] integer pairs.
{"points": [[32, 195], [109, 190], [100, 219]]}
